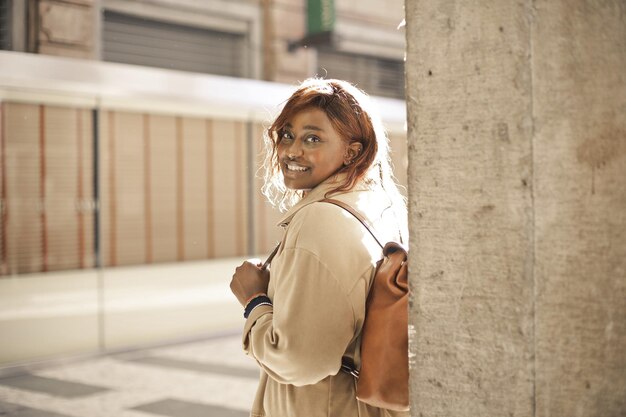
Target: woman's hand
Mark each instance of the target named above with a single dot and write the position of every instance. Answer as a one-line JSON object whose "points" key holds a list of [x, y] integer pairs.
{"points": [[249, 281]]}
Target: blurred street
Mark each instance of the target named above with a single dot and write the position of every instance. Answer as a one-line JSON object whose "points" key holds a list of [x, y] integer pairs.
{"points": [[208, 378]]}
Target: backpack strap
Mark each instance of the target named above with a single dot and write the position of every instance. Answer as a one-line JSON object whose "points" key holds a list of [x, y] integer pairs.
{"points": [[356, 214], [348, 366]]}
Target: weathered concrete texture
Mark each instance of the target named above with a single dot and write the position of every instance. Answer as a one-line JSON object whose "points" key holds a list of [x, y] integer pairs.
{"points": [[517, 188], [470, 149], [579, 103]]}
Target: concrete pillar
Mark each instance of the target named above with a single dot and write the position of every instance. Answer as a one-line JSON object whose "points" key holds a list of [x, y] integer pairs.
{"points": [[517, 184]]}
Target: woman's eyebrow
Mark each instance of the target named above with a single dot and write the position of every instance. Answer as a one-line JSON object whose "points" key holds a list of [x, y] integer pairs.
{"points": [[307, 127]]}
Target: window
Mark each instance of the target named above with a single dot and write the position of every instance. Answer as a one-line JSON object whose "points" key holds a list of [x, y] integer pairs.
{"points": [[376, 76], [140, 41]]}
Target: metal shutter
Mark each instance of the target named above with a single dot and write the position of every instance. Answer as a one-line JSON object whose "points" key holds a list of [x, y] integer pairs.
{"points": [[376, 76], [133, 40], [47, 223]]}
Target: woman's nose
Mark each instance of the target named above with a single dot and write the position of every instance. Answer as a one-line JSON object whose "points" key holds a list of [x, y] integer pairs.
{"points": [[294, 149]]}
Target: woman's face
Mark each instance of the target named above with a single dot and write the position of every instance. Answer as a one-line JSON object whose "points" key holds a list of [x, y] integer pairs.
{"points": [[309, 149]]}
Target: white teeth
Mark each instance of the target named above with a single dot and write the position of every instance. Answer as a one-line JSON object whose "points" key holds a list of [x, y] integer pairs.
{"points": [[295, 168]]}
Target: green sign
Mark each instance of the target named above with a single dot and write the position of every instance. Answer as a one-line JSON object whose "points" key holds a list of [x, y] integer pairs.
{"points": [[321, 16]]}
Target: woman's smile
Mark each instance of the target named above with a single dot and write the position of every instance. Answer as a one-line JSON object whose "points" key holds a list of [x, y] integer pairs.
{"points": [[294, 168], [294, 172]]}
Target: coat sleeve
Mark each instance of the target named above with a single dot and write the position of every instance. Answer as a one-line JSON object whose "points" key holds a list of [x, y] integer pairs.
{"points": [[301, 339]]}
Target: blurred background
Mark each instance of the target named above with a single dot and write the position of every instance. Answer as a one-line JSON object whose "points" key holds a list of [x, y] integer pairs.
{"points": [[130, 147], [131, 143]]}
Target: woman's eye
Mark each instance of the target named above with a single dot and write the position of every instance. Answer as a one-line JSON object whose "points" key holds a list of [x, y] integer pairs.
{"points": [[286, 136], [312, 139]]}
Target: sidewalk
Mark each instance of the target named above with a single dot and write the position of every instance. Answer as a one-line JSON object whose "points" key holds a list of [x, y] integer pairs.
{"points": [[209, 378]]}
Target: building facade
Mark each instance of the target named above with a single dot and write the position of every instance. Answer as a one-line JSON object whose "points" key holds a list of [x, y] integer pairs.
{"points": [[86, 186], [273, 40]]}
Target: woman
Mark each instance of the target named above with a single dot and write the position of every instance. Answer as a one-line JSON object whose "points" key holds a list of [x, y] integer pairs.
{"points": [[307, 314]]}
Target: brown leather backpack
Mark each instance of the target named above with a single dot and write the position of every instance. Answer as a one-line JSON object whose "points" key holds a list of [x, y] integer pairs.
{"points": [[383, 380]]}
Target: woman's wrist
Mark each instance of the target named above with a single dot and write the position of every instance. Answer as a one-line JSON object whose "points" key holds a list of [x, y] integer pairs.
{"points": [[253, 297], [256, 301]]}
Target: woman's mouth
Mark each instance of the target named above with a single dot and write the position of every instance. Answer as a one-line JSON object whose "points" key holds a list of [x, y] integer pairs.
{"points": [[291, 167]]}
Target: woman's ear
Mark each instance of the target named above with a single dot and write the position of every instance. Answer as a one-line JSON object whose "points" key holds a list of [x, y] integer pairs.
{"points": [[352, 152]]}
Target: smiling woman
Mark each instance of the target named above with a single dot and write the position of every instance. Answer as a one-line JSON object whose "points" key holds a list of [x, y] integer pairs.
{"points": [[311, 150], [304, 315], [342, 109]]}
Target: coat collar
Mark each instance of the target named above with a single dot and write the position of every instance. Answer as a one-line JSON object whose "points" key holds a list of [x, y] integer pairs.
{"points": [[317, 194]]}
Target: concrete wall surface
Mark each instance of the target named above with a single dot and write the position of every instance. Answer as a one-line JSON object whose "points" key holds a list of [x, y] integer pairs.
{"points": [[517, 202]]}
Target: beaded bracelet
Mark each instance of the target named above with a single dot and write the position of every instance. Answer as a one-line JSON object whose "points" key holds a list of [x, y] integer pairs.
{"points": [[255, 302]]}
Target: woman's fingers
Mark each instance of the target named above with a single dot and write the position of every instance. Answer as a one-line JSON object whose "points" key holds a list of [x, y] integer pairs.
{"points": [[249, 280]]}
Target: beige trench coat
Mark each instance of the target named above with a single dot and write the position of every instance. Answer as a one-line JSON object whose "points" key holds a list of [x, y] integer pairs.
{"points": [[319, 282]]}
